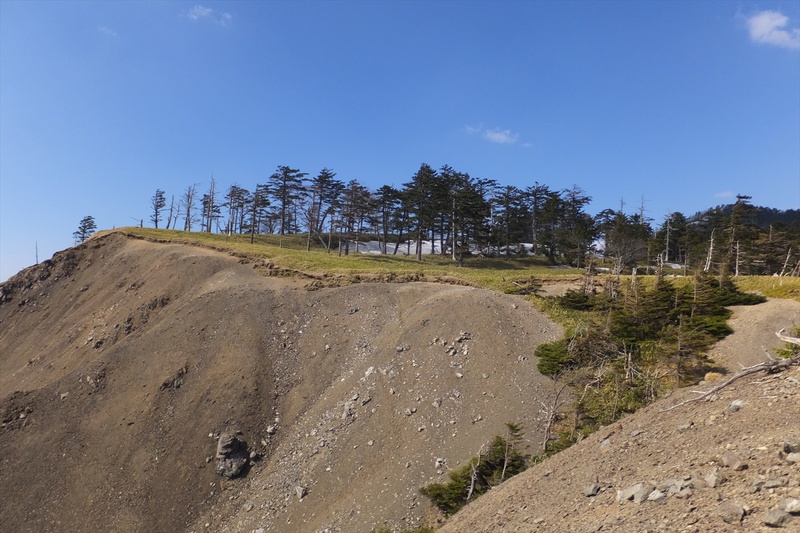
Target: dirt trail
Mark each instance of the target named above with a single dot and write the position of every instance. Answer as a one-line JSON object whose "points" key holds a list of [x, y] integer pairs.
{"points": [[754, 329]]}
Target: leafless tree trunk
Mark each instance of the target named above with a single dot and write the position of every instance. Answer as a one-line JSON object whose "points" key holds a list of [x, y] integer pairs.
{"points": [[474, 477], [188, 205], [209, 215], [173, 216], [710, 253], [551, 408], [785, 263]]}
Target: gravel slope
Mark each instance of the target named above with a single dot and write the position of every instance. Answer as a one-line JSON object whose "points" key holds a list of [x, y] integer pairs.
{"points": [[122, 361]]}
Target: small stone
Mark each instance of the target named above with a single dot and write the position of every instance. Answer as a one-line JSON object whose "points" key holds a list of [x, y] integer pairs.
{"points": [[714, 478], [657, 496], [300, 491], [791, 445], [776, 518], [685, 427], [370, 442], [791, 505], [638, 493], [733, 461], [735, 405], [591, 490], [731, 512], [271, 430], [773, 483], [793, 458], [437, 403], [459, 375], [248, 506]]}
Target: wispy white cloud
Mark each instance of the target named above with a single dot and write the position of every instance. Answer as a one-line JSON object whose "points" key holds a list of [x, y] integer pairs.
{"points": [[771, 27], [495, 135], [500, 136], [103, 30], [198, 12], [724, 194]]}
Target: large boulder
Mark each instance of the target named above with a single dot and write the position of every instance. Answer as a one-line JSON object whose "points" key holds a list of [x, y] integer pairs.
{"points": [[232, 455]]}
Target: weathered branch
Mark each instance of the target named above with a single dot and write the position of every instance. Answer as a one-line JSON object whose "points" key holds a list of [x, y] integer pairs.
{"points": [[768, 366], [474, 477], [784, 338]]}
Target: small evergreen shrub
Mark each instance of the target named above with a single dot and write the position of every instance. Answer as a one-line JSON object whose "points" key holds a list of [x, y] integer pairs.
{"points": [[502, 460]]}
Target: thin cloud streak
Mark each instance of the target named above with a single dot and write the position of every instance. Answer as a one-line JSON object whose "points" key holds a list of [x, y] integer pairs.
{"points": [[496, 135], [198, 12], [770, 27], [500, 136], [106, 31]]}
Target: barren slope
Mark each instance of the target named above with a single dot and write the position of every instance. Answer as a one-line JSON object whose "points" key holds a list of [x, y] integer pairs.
{"points": [[659, 446], [122, 360]]}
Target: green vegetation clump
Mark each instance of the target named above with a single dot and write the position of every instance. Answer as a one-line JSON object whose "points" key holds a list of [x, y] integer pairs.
{"points": [[636, 345], [502, 460]]}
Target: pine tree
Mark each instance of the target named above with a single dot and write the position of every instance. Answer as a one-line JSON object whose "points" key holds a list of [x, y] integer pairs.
{"points": [[85, 229], [157, 202], [286, 187]]}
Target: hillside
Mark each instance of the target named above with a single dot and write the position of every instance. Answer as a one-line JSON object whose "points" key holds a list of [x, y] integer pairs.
{"points": [[123, 361], [718, 466]]}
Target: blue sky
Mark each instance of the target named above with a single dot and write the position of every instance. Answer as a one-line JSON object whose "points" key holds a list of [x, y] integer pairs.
{"points": [[678, 104]]}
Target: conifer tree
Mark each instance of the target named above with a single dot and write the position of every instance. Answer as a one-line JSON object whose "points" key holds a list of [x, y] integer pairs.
{"points": [[85, 229], [157, 202]]}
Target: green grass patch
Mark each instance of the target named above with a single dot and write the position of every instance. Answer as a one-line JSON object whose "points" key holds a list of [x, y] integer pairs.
{"points": [[289, 253]]}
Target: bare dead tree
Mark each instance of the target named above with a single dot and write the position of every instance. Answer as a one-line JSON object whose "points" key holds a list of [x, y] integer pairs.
{"points": [[475, 465], [785, 263], [187, 202], [551, 408], [707, 266]]}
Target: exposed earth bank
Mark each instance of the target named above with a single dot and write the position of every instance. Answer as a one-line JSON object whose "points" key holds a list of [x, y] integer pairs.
{"points": [[123, 362], [131, 371]]}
